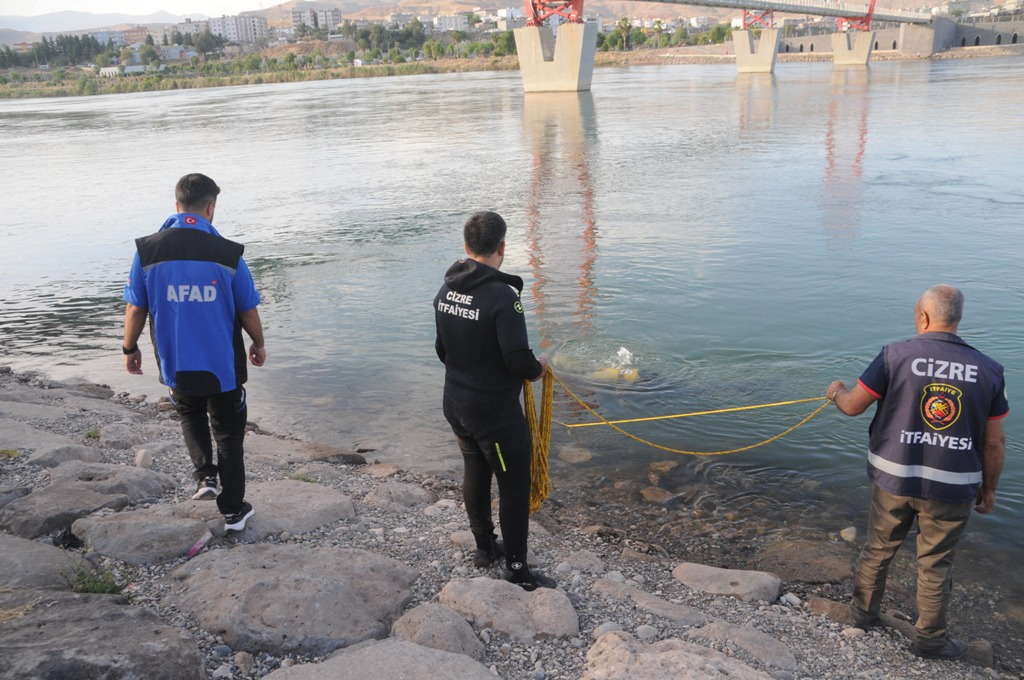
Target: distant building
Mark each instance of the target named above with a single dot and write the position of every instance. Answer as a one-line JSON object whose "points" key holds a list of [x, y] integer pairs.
{"points": [[116, 38], [192, 27], [451, 22], [325, 18], [240, 29], [110, 71], [136, 35]]}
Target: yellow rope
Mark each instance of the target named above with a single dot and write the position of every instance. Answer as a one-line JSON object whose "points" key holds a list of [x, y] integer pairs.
{"points": [[540, 436], [614, 426], [733, 409]]}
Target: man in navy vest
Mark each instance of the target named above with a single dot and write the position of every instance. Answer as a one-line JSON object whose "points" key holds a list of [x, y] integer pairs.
{"points": [[199, 295], [936, 450]]}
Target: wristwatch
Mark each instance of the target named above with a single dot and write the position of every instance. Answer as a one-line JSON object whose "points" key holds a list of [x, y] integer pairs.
{"points": [[130, 350]]}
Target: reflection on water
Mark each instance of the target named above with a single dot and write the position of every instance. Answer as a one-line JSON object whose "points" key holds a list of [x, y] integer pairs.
{"points": [[560, 129], [845, 144]]}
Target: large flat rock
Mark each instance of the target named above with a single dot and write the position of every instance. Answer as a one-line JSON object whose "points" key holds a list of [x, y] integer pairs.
{"points": [[78, 489], [388, 660], [501, 606], [139, 537], [63, 636], [750, 586], [617, 656], [292, 599], [26, 564]]}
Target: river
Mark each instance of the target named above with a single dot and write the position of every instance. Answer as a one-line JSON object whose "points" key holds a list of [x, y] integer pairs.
{"points": [[746, 239]]}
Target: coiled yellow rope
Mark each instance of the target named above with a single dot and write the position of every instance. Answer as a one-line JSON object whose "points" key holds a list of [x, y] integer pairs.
{"points": [[540, 436]]}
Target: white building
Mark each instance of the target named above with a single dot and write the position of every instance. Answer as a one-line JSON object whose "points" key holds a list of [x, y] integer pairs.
{"points": [[194, 28], [451, 22], [244, 28], [327, 18], [115, 37]]}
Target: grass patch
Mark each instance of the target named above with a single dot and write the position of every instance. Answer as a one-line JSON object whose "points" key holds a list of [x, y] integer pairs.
{"points": [[301, 477], [9, 453], [92, 433], [84, 580]]}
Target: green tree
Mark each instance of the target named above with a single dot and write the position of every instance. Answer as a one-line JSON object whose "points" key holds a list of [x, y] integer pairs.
{"points": [[205, 43], [505, 44], [149, 55], [623, 28], [659, 28], [149, 40], [720, 33]]}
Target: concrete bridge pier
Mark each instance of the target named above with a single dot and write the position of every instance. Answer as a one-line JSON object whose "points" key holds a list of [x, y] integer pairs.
{"points": [[562, 63], [759, 58], [852, 48]]}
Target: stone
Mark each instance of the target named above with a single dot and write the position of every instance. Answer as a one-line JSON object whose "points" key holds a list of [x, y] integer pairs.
{"points": [[439, 627], [68, 635], [763, 647], [387, 659], [849, 534], [78, 489], [143, 459], [329, 454], [575, 455], [805, 561], [52, 457], [617, 656], [290, 599], [119, 436], [139, 537], [282, 506], [750, 586], [679, 613], [655, 494], [501, 606], [837, 611], [13, 493], [244, 661], [26, 564], [382, 470], [646, 633], [606, 627], [398, 497], [585, 560]]}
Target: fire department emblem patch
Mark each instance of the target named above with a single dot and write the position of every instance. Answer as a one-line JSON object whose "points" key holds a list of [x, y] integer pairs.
{"points": [[940, 405]]}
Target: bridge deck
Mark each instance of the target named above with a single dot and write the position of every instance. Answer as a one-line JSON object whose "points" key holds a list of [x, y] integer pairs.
{"points": [[824, 8]]}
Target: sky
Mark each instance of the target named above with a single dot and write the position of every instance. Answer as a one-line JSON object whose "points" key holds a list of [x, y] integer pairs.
{"points": [[135, 7]]}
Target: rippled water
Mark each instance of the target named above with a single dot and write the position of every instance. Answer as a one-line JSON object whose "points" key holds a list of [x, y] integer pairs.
{"points": [[747, 239]]}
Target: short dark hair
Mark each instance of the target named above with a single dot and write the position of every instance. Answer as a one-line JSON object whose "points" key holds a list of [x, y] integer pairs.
{"points": [[194, 192], [484, 232]]}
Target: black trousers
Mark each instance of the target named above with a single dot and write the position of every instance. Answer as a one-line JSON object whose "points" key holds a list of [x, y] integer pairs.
{"points": [[224, 415], [495, 443]]}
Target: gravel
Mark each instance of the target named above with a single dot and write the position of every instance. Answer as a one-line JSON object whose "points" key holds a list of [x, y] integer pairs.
{"points": [[823, 648]]}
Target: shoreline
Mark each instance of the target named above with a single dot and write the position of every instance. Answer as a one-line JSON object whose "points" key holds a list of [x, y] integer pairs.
{"points": [[82, 84], [632, 530]]}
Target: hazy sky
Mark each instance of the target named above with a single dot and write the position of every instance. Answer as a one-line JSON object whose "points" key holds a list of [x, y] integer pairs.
{"points": [[136, 7]]}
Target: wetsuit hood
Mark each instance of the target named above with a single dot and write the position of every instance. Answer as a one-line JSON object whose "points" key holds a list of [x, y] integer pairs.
{"points": [[467, 274]]}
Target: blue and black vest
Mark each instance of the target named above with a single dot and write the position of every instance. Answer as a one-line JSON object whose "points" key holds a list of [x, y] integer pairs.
{"points": [[936, 394]]}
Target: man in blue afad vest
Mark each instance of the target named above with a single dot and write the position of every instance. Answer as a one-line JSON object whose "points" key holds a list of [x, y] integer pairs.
{"points": [[936, 449], [197, 290]]}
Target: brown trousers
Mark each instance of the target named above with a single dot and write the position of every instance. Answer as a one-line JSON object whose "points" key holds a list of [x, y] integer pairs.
{"points": [[940, 526]]}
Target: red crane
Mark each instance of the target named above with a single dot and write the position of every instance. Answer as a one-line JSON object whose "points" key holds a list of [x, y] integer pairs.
{"points": [[538, 11]]}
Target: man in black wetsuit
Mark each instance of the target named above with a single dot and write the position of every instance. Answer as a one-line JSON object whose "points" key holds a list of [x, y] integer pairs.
{"points": [[482, 341]]}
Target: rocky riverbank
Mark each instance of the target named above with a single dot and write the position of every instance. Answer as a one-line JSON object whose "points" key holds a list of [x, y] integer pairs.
{"points": [[355, 568]]}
